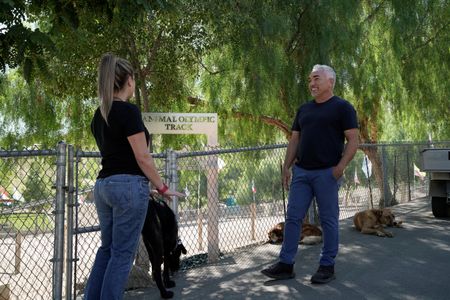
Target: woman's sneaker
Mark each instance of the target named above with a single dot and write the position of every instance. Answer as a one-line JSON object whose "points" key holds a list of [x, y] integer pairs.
{"points": [[279, 271], [323, 275]]}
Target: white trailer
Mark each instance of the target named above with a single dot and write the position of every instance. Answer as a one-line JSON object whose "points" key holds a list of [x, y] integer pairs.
{"points": [[437, 162]]}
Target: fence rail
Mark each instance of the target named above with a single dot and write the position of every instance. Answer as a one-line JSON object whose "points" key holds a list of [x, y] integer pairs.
{"points": [[49, 228]]}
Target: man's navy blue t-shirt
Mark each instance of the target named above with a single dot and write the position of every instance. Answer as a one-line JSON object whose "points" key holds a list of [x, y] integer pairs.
{"points": [[321, 127], [124, 120]]}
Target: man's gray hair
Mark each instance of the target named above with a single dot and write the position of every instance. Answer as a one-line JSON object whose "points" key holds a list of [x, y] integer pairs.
{"points": [[328, 70]]}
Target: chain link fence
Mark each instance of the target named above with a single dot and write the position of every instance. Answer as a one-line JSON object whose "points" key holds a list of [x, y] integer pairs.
{"points": [[27, 223], [85, 231], [234, 197]]}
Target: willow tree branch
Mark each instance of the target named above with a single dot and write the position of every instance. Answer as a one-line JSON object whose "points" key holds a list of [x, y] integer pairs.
{"points": [[267, 120]]}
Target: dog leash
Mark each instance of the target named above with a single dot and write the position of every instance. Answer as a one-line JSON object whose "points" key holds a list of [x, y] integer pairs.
{"points": [[282, 190]]}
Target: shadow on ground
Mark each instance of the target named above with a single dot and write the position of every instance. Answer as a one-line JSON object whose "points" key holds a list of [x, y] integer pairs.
{"points": [[414, 264]]}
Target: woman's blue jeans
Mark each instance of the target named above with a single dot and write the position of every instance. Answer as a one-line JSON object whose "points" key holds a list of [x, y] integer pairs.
{"points": [[121, 202], [305, 185]]}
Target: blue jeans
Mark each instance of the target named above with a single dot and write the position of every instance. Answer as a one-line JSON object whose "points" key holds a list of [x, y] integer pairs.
{"points": [[304, 186], [121, 202]]}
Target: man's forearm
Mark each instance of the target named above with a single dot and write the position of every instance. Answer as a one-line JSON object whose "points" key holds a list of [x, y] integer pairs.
{"points": [[349, 152], [291, 150], [290, 155]]}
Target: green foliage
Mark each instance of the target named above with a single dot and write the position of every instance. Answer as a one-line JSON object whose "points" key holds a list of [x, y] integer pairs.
{"points": [[195, 182], [28, 116], [36, 188], [237, 173], [28, 222], [401, 67], [247, 60]]}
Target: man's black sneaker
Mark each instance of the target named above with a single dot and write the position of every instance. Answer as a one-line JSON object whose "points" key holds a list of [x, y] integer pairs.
{"points": [[279, 271], [323, 275]]}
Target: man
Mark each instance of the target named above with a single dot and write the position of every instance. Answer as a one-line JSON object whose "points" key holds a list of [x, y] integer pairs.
{"points": [[318, 158]]}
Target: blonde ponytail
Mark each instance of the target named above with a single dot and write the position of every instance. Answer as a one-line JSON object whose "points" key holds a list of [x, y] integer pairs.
{"points": [[113, 72]]}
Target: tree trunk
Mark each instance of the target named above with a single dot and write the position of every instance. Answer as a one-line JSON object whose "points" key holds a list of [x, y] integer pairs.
{"points": [[143, 73], [144, 93], [375, 157], [377, 169]]}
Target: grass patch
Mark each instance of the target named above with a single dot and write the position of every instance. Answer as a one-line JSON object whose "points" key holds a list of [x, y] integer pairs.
{"points": [[25, 222]]}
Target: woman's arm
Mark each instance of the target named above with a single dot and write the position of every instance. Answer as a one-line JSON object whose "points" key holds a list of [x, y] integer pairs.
{"points": [[147, 164]]}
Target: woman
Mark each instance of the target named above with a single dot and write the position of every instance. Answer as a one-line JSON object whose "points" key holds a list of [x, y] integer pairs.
{"points": [[121, 190]]}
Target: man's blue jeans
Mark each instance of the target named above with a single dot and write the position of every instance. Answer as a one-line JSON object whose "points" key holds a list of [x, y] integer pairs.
{"points": [[304, 186], [121, 202]]}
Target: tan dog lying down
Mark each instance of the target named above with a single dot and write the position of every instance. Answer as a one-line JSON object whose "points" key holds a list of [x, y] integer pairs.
{"points": [[310, 235], [372, 221]]}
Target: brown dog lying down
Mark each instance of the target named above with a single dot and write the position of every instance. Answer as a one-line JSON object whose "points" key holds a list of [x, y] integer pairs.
{"points": [[310, 235], [372, 221]]}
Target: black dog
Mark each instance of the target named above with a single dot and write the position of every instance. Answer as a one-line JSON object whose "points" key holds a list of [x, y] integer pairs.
{"points": [[160, 235]]}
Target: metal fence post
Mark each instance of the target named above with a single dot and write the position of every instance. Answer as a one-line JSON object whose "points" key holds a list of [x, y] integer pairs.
{"points": [[58, 250], [409, 175], [385, 176], [212, 193], [394, 200], [172, 176], [18, 253], [69, 230]]}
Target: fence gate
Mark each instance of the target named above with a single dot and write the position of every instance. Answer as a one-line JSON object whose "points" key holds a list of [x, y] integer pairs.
{"points": [[31, 223], [83, 231]]}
